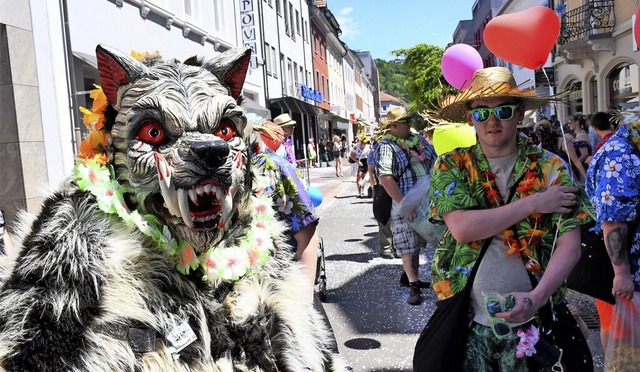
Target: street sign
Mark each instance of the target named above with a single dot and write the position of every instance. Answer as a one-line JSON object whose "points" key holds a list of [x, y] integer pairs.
{"points": [[541, 79]]}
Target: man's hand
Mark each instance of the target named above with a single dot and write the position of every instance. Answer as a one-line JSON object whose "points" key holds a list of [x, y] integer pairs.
{"points": [[623, 286], [555, 199], [525, 307]]}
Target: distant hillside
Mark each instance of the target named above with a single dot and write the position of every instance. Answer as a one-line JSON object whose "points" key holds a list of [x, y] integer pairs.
{"points": [[392, 78]]}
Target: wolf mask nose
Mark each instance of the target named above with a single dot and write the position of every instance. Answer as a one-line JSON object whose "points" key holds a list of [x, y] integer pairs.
{"points": [[213, 153]]}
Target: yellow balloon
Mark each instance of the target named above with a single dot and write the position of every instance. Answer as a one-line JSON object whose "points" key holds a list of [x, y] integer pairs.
{"points": [[447, 137]]}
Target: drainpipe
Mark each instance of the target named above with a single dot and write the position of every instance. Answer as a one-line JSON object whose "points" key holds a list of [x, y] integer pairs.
{"points": [[265, 55], [76, 133]]}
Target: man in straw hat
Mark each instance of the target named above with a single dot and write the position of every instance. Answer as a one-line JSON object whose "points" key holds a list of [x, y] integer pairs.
{"points": [[507, 197], [403, 158], [288, 125], [613, 184]]}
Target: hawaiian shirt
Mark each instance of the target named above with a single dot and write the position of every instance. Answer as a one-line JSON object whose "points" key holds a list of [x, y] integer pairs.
{"points": [[290, 197], [459, 181], [392, 159], [613, 184]]}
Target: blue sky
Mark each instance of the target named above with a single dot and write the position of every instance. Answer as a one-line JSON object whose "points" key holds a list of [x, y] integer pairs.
{"points": [[382, 26]]}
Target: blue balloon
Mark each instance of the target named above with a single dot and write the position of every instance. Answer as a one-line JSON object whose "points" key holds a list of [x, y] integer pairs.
{"points": [[315, 195]]}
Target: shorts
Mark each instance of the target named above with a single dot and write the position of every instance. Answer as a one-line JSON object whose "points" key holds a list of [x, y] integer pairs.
{"points": [[404, 238], [362, 166]]}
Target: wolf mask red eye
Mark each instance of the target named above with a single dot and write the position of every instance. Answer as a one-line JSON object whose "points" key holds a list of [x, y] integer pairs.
{"points": [[152, 133], [225, 130]]}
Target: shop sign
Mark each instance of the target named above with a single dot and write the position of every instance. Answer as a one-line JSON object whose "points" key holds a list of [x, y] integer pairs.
{"points": [[310, 93], [248, 25], [541, 78]]}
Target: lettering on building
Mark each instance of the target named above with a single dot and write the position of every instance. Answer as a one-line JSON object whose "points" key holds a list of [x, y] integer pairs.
{"points": [[310, 93], [248, 28]]}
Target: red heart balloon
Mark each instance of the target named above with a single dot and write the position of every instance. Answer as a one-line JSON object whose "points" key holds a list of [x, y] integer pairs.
{"points": [[523, 38], [636, 27]]}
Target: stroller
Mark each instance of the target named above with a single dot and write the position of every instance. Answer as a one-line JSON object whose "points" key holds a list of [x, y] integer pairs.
{"points": [[321, 277]]}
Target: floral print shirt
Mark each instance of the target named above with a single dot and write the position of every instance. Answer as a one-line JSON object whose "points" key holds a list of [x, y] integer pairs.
{"points": [[460, 180], [613, 185], [291, 199]]}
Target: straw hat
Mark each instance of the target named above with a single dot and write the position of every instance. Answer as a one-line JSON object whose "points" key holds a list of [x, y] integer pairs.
{"points": [[487, 83], [284, 120], [394, 115]]}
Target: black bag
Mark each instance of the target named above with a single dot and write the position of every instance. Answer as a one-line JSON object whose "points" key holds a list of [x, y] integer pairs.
{"points": [[351, 160], [565, 341], [593, 273], [381, 205], [442, 342]]}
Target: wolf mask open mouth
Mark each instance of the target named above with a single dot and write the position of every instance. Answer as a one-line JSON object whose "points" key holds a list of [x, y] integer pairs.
{"points": [[176, 139]]}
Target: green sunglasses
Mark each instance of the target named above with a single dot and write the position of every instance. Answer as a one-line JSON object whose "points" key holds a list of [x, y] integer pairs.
{"points": [[500, 328], [502, 112]]}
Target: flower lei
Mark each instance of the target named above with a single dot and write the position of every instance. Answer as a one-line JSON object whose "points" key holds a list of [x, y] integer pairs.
{"points": [[95, 175], [528, 341], [524, 245], [413, 145]]}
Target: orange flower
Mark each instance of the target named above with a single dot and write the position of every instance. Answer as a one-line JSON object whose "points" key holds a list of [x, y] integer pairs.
{"points": [[94, 146], [475, 245], [582, 215], [442, 166], [443, 289], [533, 266]]}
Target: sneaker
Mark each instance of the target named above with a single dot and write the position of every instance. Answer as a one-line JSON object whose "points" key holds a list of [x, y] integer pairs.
{"points": [[387, 254], [415, 297], [404, 282]]}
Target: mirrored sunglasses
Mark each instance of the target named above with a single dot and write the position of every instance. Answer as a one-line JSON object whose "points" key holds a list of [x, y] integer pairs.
{"points": [[502, 112], [499, 326]]}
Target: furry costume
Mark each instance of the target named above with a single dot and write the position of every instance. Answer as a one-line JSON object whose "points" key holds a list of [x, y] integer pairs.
{"points": [[160, 265]]}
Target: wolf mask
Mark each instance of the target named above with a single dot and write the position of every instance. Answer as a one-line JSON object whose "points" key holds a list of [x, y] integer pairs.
{"points": [[158, 254]]}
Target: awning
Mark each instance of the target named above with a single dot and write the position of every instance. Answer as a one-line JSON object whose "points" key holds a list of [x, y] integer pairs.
{"points": [[250, 105], [295, 105], [87, 58]]}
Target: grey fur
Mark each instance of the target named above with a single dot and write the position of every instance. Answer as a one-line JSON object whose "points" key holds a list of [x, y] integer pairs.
{"points": [[82, 278]]}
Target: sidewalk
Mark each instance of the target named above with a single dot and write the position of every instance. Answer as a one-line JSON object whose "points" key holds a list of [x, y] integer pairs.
{"points": [[375, 328]]}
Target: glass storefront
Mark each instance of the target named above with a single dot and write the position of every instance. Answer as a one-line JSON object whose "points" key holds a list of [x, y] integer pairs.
{"points": [[623, 86], [575, 97]]}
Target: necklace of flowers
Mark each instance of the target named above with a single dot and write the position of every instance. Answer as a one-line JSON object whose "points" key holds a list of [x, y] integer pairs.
{"points": [[413, 145], [526, 186], [218, 263], [94, 174]]}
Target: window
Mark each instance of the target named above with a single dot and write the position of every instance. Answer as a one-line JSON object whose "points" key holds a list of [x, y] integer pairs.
{"points": [[279, 7], [304, 30], [191, 11], [291, 20], [274, 62], [282, 64], [623, 86], [268, 62], [298, 22], [593, 87], [286, 19], [218, 11]]}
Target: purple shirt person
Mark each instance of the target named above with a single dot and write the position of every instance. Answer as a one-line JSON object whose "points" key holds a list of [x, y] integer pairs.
{"points": [[288, 125]]}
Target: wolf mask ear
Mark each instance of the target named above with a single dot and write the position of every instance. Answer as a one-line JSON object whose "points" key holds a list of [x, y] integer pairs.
{"points": [[231, 68], [116, 69]]}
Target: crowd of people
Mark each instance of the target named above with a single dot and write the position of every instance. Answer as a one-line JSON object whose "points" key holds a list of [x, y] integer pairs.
{"points": [[513, 204]]}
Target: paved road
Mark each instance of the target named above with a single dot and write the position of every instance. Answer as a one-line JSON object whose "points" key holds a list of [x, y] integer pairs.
{"points": [[375, 328]]}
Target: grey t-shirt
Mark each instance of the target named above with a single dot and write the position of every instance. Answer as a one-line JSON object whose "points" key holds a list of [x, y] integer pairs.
{"points": [[499, 272]]}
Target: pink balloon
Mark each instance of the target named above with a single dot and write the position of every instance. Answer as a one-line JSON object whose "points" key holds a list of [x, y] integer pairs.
{"points": [[459, 63]]}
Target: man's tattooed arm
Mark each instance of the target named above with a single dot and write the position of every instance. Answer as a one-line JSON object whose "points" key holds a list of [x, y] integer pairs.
{"points": [[617, 248]]}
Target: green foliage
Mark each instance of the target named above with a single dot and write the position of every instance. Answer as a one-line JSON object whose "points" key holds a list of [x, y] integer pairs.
{"points": [[392, 78], [424, 82]]}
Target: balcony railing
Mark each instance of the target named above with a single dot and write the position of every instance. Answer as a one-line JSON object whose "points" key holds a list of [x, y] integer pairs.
{"points": [[596, 17]]}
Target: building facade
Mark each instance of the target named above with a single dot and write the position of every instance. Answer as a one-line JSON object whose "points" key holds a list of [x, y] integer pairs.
{"points": [[49, 68]]}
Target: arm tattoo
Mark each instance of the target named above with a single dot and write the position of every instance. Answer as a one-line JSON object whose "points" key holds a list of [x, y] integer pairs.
{"points": [[527, 301], [617, 247]]}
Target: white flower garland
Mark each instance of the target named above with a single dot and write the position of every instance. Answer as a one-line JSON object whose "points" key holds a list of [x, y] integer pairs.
{"points": [[218, 263]]}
